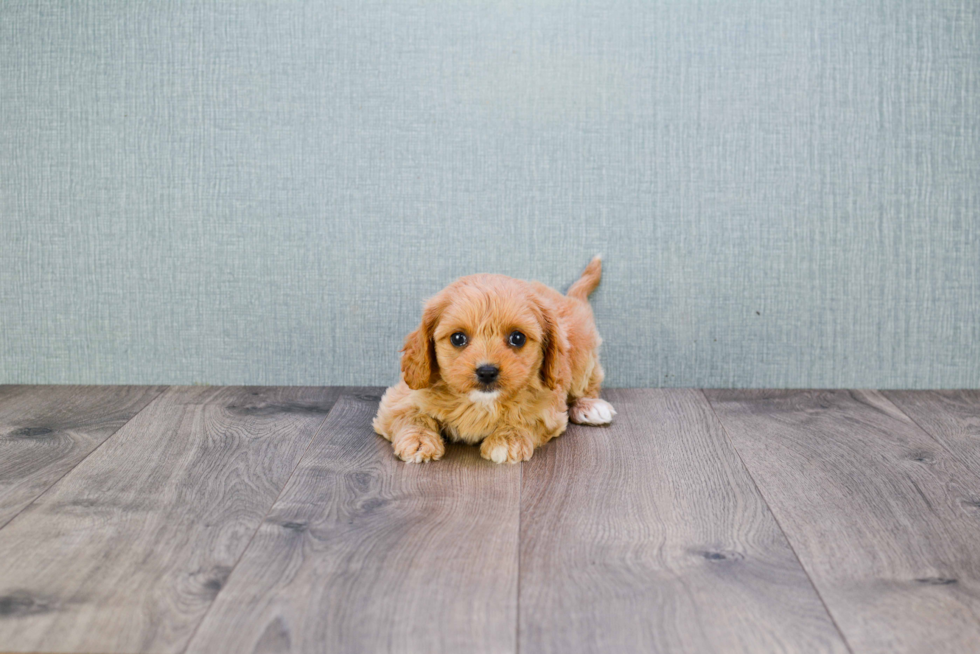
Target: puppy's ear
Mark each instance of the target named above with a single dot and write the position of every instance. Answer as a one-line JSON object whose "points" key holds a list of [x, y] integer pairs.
{"points": [[556, 367], [419, 365]]}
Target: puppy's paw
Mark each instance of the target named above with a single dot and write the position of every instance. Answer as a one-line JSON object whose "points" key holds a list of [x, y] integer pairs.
{"points": [[417, 446], [591, 411], [507, 448]]}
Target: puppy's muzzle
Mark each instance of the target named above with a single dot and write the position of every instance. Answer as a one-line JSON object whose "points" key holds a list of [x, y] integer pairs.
{"points": [[487, 374]]}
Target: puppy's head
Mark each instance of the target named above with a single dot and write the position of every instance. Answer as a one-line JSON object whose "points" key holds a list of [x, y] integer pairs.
{"points": [[487, 336]]}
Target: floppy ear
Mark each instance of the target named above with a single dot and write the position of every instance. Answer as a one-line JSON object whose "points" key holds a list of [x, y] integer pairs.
{"points": [[556, 368], [419, 365]]}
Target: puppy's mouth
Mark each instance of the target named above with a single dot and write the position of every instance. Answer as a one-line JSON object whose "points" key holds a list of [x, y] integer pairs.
{"points": [[487, 396], [487, 388]]}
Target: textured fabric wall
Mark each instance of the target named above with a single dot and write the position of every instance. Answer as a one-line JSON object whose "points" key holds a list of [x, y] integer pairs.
{"points": [[787, 193]]}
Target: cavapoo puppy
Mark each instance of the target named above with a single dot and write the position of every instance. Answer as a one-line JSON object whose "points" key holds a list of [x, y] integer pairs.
{"points": [[497, 360]]}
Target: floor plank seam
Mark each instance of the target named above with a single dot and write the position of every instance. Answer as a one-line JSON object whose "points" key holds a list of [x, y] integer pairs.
{"points": [[520, 542], [84, 458], [775, 518], [316, 432], [931, 436]]}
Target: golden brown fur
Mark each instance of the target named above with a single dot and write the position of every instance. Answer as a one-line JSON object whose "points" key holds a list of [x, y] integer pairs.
{"points": [[555, 375]]}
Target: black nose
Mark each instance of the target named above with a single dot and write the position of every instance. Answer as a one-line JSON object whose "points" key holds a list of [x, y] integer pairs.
{"points": [[487, 374]]}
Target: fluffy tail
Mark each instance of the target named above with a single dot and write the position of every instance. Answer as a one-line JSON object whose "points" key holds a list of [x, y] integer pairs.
{"points": [[587, 283]]}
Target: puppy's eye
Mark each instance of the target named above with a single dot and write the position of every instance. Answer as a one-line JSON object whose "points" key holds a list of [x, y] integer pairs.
{"points": [[517, 339], [458, 339]]}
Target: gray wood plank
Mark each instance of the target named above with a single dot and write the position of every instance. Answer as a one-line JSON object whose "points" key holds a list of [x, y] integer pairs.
{"points": [[364, 553], [129, 549], [46, 430], [649, 536], [950, 417], [879, 514]]}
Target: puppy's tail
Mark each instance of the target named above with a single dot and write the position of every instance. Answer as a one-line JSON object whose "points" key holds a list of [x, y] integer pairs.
{"points": [[587, 283]]}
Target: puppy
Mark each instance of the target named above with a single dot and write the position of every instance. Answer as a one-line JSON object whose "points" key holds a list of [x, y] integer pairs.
{"points": [[500, 361]]}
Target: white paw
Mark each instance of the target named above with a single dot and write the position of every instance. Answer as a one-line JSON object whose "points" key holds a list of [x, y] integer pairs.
{"points": [[591, 411], [512, 448], [499, 454]]}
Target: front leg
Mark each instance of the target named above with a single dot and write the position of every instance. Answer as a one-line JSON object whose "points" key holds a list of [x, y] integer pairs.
{"points": [[507, 446], [418, 444], [414, 435]]}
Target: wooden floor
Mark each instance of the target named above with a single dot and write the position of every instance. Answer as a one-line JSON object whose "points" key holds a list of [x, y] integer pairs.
{"points": [[207, 519]]}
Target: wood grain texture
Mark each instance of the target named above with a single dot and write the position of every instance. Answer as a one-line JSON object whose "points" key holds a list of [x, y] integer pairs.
{"points": [[364, 553], [128, 550], [884, 519], [46, 430], [950, 417], [649, 536]]}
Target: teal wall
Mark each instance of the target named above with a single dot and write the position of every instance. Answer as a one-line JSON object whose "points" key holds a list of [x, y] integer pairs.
{"points": [[786, 193]]}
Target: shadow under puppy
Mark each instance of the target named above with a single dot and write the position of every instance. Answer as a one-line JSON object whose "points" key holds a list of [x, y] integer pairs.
{"points": [[497, 360]]}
